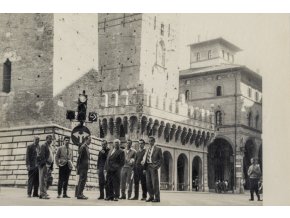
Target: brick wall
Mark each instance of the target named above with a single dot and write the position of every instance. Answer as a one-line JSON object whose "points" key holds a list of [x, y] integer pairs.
{"points": [[13, 145], [27, 41]]}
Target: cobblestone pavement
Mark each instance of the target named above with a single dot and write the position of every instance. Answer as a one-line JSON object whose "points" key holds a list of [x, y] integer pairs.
{"points": [[18, 197]]}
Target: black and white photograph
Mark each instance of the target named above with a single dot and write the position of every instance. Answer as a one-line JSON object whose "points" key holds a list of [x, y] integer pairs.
{"points": [[136, 109]]}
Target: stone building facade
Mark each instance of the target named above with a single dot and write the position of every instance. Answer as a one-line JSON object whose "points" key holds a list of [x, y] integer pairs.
{"points": [[234, 93], [140, 95]]}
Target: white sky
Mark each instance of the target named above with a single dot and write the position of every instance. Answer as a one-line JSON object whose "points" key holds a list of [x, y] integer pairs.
{"points": [[263, 38]]}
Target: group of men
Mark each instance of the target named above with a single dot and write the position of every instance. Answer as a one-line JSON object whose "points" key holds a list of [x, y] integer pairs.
{"points": [[117, 168]]}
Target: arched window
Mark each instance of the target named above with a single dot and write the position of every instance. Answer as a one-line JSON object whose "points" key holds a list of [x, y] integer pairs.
{"points": [[162, 30], [257, 121], [250, 119], [218, 118], [218, 91], [197, 56], [161, 54], [257, 96], [187, 95], [249, 92], [6, 76], [209, 54]]}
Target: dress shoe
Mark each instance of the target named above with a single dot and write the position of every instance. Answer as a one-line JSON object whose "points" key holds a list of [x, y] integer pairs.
{"points": [[149, 199], [82, 197], [58, 196], [251, 199], [156, 200], [260, 200], [100, 198], [135, 198], [44, 197], [143, 199], [36, 196], [109, 199], [116, 199], [66, 196], [122, 197]]}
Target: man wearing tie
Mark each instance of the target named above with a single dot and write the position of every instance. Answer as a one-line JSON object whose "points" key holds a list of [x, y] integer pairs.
{"points": [[126, 173], [138, 172], [113, 166], [83, 164], [63, 160], [152, 163]]}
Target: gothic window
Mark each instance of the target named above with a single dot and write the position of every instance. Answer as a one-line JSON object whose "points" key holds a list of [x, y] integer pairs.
{"points": [[250, 119], [161, 54], [257, 121], [197, 56], [228, 54], [168, 30], [218, 91], [218, 118], [162, 29], [187, 95], [257, 96], [249, 92], [7, 76], [223, 53], [209, 54]]}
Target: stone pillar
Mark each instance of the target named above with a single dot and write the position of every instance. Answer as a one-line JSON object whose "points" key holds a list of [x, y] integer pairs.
{"points": [[190, 170], [174, 174], [239, 173], [205, 173]]}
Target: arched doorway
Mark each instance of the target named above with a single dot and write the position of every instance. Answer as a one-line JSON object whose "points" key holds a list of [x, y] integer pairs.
{"points": [[196, 173], [220, 163], [250, 152], [166, 172], [182, 173]]}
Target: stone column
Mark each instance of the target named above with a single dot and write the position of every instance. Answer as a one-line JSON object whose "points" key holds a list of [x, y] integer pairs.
{"points": [[174, 174], [190, 171], [239, 172]]}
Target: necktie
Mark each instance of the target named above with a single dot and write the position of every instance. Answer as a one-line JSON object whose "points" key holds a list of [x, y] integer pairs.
{"points": [[149, 155]]}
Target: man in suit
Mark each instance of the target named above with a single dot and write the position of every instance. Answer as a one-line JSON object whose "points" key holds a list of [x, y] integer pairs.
{"points": [[63, 160], [83, 164], [45, 161], [32, 167], [138, 172], [126, 173], [152, 162], [113, 166], [103, 154]]}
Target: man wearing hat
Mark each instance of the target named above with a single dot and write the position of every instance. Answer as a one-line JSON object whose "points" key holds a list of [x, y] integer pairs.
{"points": [[63, 160], [254, 173], [152, 162]]}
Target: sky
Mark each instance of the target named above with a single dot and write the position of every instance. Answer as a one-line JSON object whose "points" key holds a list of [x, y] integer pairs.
{"points": [[262, 37]]}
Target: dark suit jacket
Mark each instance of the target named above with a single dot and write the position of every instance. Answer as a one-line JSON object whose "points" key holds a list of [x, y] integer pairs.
{"points": [[116, 161], [83, 161], [31, 155], [156, 158]]}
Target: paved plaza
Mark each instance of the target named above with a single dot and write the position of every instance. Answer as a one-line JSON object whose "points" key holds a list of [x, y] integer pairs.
{"points": [[18, 197]]}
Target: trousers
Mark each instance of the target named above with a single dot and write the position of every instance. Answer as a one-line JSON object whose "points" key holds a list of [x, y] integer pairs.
{"points": [[254, 187], [102, 183], [63, 177], [113, 183], [152, 182], [126, 175], [140, 176], [33, 181], [83, 175], [43, 180]]}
